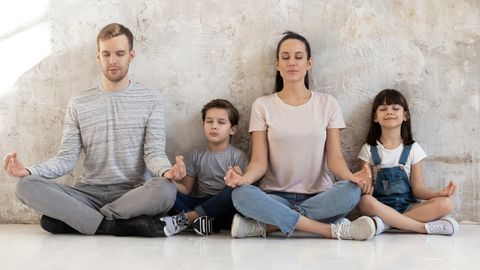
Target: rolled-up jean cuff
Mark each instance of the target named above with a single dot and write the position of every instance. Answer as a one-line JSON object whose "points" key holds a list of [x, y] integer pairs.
{"points": [[200, 211], [290, 232]]}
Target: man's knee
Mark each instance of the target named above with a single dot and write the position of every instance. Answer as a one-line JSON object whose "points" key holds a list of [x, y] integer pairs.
{"points": [[27, 186], [164, 190]]}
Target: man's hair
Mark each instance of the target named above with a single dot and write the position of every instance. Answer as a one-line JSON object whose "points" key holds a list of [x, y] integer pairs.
{"points": [[233, 114], [114, 30]]}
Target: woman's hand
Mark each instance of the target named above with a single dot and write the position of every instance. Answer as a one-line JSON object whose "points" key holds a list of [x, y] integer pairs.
{"points": [[363, 178], [234, 177]]}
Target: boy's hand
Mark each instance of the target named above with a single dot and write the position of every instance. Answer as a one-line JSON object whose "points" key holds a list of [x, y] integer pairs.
{"points": [[13, 166], [178, 170], [234, 177], [447, 191]]}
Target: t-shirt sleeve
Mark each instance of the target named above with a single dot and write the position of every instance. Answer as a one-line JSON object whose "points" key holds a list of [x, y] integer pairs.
{"points": [[335, 114], [257, 117], [365, 154], [417, 153], [190, 164], [242, 160]]}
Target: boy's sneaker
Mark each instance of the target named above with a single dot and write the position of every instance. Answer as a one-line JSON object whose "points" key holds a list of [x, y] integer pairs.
{"points": [[203, 225], [362, 228], [174, 224], [380, 225], [443, 226], [245, 227]]}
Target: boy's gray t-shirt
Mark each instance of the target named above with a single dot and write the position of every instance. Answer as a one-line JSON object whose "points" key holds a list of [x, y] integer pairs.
{"points": [[209, 168]]}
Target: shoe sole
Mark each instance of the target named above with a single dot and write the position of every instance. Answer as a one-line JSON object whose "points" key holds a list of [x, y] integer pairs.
{"points": [[235, 224], [204, 225], [371, 224]]}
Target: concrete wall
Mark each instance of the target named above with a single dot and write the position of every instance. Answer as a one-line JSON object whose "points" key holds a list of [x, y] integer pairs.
{"points": [[199, 50]]}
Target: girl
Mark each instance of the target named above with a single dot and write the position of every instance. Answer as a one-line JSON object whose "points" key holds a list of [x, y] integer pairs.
{"points": [[294, 131], [397, 161]]}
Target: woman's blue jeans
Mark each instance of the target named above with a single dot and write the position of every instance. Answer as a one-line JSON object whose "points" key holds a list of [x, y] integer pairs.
{"points": [[283, 209]]}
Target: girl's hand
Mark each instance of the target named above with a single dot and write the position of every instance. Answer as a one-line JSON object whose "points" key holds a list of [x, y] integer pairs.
{"points": [[363, 177], [178, 170], [234, 177], [447, 191]]}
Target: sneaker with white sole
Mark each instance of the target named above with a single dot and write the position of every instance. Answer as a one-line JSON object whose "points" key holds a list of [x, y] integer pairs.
{"points": [[245, 227], [363, 228], [203, 225], [174, 224], [342, 221], [443, 226], [380, 225]]}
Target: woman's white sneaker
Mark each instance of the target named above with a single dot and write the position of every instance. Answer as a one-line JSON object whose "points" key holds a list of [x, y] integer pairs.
{"points": [[363, 228], [245, 227]]}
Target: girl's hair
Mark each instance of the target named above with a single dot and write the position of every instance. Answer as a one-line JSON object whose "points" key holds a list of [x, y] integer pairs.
{"points": [[291, 35], [389, 97]]}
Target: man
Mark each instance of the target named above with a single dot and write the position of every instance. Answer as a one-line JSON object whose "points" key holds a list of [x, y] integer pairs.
{"points": [[119, 126]]}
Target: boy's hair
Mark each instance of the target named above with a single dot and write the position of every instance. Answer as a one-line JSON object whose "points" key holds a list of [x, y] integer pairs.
{"points": [[233, 114], [114, 30], [389, 97]]}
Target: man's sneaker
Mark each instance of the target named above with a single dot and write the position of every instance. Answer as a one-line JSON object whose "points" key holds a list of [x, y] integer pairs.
{"points": [[203, 225], [175, 224], [55, 226], [362, 228], [380, 225], [138, 226], [443, 226], [245, 227]]}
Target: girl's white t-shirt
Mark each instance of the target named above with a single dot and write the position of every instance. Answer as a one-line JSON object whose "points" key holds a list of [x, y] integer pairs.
{"points": [[391, 157], [296, 141]]}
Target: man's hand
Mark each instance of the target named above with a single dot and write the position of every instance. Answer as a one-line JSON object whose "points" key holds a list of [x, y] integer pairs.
{"points": [[178, 170], [13, 166]]}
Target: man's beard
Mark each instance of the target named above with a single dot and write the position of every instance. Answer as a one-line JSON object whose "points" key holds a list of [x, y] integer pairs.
{"points": [[115, 78]]}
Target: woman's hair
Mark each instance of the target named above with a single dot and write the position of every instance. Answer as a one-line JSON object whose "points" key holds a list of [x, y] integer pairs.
{"points": [[114, 30], [389, 97], [233, 115], [291, 35]]}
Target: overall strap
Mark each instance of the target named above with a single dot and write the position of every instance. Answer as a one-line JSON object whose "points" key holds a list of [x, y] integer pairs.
{"points": [[405, 153], [375, 156]]}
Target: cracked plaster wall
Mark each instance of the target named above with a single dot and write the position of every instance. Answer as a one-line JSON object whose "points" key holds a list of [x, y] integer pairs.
{"points": [[199, 50]]}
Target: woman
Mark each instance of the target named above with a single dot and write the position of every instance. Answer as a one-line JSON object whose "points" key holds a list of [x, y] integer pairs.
{"points": [[294, 132]]}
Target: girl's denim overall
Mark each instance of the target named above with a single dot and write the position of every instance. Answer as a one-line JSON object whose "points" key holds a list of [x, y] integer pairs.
{"points": [[392, 187]]}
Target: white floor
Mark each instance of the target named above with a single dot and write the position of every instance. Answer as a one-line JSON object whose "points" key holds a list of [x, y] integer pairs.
{"points": [[29, 247]]}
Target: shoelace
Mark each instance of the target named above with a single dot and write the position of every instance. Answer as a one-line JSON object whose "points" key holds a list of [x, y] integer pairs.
{"points": [[258, 228], [179, 221], [437, 227], [343, 231]]}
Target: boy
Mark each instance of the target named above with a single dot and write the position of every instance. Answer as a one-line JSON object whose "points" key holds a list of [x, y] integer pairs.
{"points": [[210, 208]]}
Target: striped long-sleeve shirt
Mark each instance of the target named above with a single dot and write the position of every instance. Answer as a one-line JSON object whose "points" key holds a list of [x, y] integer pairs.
{"points": [[122, 136]]}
